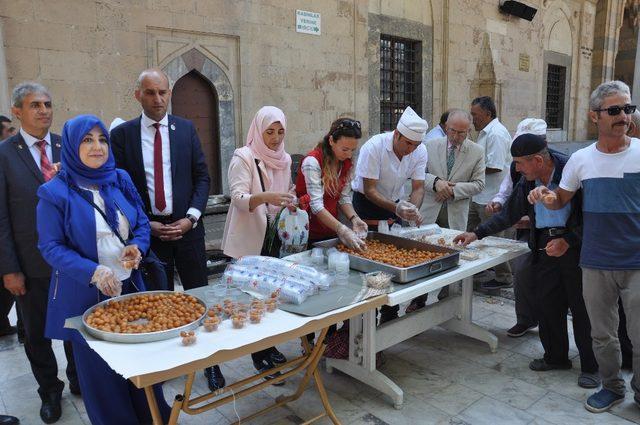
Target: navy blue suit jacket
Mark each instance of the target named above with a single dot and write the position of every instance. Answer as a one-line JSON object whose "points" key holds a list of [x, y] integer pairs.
{"points": [[189, 173], [67, 240], [20, 178]]}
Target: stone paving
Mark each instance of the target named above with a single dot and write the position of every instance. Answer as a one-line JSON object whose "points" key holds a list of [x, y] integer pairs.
{"points": [[447, 379]]}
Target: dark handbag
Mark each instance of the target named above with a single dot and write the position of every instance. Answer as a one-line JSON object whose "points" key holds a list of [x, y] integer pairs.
{"points": [[271, 242], [151, 268]]}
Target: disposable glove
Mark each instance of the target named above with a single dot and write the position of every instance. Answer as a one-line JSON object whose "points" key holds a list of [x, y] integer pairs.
{"points": [[130, 257], [106, 281], [407, 211], [349, 238], [360, 227]]}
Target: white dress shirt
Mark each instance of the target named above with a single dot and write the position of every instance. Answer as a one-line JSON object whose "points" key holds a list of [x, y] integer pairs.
{"points": [[377, 161], [435, 133], [108, 245], [147, 136], [506, 187], [496, 141], [35, 151]]}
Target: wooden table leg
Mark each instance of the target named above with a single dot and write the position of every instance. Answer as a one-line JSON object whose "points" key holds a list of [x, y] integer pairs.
{"points": [[323, 396], [175, 409], [153, 405]]}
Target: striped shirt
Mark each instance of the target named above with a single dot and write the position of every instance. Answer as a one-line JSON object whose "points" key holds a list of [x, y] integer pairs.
{"points": [[313, 177], [611, 205]]}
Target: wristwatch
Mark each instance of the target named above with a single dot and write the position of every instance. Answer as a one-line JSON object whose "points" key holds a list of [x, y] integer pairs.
{"points": [[434, 183], [193, 220]]}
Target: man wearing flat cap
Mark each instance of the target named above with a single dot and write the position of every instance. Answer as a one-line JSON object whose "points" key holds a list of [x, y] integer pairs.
{"points": [[523, 284], [555, 243], [386, 161]]}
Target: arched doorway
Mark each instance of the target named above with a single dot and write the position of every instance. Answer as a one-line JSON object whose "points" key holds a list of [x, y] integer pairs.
{"points": [[193, 98]]}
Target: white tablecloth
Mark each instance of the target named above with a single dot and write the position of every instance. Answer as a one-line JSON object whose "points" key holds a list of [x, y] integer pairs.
{"points": [[138, 359]]}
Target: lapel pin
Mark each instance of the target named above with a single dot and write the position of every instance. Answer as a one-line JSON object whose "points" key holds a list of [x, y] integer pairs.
{"points": [[173, 127], [57, 145], [19, 146]]}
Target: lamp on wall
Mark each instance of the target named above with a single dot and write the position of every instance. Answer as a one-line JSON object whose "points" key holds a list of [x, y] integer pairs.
{"points": [[518, 9]]}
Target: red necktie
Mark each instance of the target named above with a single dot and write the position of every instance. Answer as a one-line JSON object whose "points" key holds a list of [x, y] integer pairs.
{"points": [[158, 177], [45, 165]]}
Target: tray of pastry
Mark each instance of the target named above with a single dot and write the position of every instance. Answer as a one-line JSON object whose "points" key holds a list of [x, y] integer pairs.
{"points": [[144, 316], [405, 259]]}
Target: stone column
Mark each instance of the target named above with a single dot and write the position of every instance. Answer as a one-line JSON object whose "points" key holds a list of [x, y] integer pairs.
{"points": [[635, 90], [5, 99], [609, 15]]}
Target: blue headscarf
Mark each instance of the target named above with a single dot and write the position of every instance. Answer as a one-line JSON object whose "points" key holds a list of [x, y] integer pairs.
{"points": [[106, 178]]}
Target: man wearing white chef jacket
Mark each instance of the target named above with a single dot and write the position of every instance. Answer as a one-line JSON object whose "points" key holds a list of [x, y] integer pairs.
{"points": [[386, 161]]}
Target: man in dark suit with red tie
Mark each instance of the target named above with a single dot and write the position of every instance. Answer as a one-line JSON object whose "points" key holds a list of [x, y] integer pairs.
{"points": [[27, 160], [163, 156]]}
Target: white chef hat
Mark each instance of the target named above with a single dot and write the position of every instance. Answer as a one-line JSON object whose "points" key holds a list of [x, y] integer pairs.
{"points": [[531, 126], [411, 125], [116, 122]]}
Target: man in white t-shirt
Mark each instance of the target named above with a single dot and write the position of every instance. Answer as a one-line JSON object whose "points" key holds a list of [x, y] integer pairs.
{"points": [[608, 172], [439, 131], [385, 162], [496, 142]]}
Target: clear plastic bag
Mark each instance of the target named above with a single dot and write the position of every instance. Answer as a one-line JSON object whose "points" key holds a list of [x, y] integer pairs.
{"points": [[295, 282], [293, 231]]}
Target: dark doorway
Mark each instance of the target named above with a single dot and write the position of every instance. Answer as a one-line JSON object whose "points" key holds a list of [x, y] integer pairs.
{"points": [[195, 99]]}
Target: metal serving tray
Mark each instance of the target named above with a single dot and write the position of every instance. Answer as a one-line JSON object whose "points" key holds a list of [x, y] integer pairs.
{"points": [[141, 337], [404, 274]]}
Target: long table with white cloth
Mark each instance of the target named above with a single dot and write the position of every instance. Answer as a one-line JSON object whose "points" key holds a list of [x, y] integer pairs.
{"points": [[454, 312], [146, 364]]}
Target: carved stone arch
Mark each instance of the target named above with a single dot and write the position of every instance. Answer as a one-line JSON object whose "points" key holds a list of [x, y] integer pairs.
{"points": [[484, 82], [193, 58], [559, 51], [558, 30]]}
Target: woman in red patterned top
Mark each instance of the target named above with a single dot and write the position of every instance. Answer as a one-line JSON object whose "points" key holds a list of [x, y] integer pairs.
{"points": [[323, 185]]}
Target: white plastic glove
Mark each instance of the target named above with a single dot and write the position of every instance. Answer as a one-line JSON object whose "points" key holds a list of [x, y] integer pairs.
{"points": [[130, 257], [407, 211], [349, 238], [106, 281], [360, 227]]}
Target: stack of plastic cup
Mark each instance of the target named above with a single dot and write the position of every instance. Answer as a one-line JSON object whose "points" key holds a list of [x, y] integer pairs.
{"points": [[332, 258], [341, 264], [383, 226], [317, 256]]}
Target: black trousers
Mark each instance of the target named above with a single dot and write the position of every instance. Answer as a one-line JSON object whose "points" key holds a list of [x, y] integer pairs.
{"points": [[559, 288], [367, 210], [37, 347], [188, 257], [524, 286], [6, 302]]}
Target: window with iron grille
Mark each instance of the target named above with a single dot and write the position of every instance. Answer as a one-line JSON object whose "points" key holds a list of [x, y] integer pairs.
{"points": [[400, 79], [556, 80]]}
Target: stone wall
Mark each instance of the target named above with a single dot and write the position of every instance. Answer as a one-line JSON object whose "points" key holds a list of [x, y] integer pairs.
{"points": [[89, 53], [490, 53]]}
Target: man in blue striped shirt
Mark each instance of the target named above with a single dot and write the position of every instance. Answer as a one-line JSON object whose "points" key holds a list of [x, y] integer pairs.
{"points": [[608, 172]]}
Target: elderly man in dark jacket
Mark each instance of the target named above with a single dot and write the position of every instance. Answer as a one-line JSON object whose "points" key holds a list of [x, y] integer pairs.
{"points": [[555, 240]]}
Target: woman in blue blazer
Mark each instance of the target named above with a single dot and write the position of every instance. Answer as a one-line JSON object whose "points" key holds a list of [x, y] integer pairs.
{"points": [[78, 242]]}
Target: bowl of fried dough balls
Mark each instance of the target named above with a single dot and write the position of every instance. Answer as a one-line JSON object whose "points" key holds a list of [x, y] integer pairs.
{"points": [[144, 316]]}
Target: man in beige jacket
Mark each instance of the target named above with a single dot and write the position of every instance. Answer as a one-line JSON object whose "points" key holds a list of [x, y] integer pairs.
{"points": [[455, 173]]}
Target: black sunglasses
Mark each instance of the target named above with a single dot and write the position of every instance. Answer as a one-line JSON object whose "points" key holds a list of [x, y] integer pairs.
{"points": [[349, 123], [615, 110]]}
